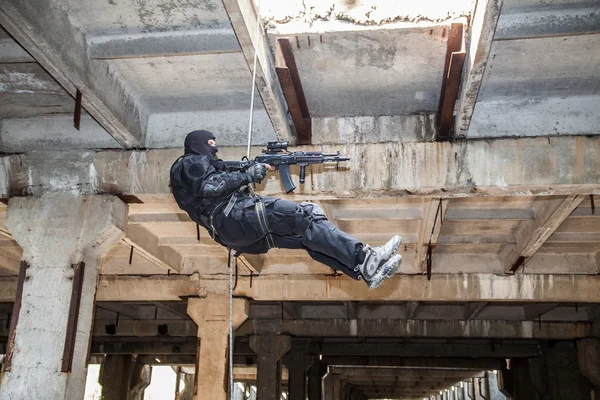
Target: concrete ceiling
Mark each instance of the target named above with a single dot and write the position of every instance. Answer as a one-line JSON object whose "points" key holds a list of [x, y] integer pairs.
{"points": [[543, 72], [152, 71]]}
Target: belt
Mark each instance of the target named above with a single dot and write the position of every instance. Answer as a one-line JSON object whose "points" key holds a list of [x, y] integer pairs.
{"points": [[259, 209]]}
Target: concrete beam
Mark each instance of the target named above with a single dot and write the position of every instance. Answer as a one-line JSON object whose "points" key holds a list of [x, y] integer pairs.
{"points": [[11, 52], [407, 328], [442, 287], [162, 44], [404, 373], [47, 33], [246, 22], [53, 132], [532, 234], [374, 129], [500, 167], [475, 364], [429, 350], [150, 328], [482, 30], [547, 19]]}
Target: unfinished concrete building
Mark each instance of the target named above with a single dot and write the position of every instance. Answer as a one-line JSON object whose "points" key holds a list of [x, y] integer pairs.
{"points": [[473, 129]]}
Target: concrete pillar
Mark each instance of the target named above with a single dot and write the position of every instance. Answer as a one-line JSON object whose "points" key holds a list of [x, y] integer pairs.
{"points": [[327, 385], [482, 391], [565, 380], [315, 380], [589, 361], [505, 382], [141, 374], [470, 390], [115, 373], [211, 314], [523, 386], [332, 387], [122, 377], [297, 363], [51, 336], [188, 391], [494, 389], [460, 392], [270, 348]]}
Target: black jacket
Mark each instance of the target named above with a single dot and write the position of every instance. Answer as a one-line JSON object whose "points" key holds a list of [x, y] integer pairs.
{"points": [[200, 185]]}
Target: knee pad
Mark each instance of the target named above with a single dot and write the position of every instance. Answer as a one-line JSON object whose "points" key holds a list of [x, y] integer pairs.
{"points": [[306, 213], [313, 209]]}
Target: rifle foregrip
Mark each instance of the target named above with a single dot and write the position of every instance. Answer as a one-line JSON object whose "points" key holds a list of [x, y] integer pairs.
{"points": [[286, 178], [302, 174]]}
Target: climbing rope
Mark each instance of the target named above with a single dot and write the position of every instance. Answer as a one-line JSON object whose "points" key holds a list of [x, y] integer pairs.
{"points": [[252, 90], [253, 83], [230, 326]]}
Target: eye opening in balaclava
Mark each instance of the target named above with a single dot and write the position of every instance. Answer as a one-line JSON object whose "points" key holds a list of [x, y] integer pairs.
{"points": [[196, 142]]}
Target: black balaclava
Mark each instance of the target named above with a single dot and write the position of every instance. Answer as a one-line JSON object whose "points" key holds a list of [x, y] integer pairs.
{"points": [[196, 142]]}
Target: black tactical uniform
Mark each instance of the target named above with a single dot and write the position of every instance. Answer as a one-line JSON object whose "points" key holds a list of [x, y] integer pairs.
{"points": [[209, 192]]}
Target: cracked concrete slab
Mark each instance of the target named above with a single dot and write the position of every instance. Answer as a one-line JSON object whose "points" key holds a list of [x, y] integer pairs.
{"points": [[359, 12], [372, 72]]}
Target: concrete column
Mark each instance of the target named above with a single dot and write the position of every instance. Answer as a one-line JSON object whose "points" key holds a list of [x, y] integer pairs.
{"points": [[470, 390], [505, 382], [141, 375], [211, 314], [269, 348], [460, 393], [327, 385], [122, 377], [188, 391], [50, 341], [565, 380], [332, 387], [523, 386], [482, 391], [589, 361], [315, 380], [494, 389], [115, 373], [297, 364]]}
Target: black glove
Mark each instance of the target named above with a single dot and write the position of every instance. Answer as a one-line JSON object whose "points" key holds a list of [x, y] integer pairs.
{"points": [[256, 172]]}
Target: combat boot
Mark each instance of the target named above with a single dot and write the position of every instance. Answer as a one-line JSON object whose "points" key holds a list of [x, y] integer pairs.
{"points": [[381, 262]]}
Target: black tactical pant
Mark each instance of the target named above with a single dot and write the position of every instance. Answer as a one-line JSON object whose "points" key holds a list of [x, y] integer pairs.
{"points": [[292, 226]]}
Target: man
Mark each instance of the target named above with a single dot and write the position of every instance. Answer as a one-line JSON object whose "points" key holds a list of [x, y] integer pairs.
{"points": [[217, 197]]}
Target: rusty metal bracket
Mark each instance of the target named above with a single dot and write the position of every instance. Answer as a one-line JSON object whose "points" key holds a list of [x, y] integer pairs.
{"points": [[78, 273], [520, 262], [288, 75], [455, 57], [14, 320], [77, 112], [429, 256]]}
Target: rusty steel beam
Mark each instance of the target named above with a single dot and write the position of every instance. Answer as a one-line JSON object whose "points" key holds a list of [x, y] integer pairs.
{"points": [[10, 347], [455, 57], [69, 349], [288, 75], [77, 112]]}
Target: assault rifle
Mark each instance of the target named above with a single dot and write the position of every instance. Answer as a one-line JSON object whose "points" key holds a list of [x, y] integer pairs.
{"points": [[278, 156]]}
